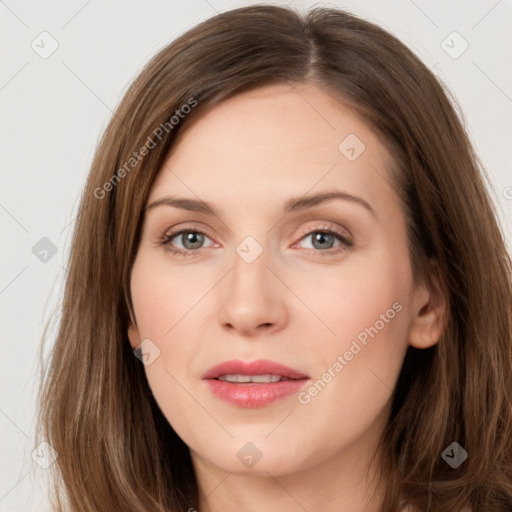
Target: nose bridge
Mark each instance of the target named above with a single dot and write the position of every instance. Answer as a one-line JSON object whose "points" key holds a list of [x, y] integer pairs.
{"points": [[250, 298], [249, 272]]}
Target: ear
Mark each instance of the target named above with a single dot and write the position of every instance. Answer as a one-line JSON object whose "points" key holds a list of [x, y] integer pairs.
{"points": [[134, 335], [430, 310]]}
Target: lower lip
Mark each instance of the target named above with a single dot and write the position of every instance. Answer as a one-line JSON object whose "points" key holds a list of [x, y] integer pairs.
{"points": [[254, 395]]}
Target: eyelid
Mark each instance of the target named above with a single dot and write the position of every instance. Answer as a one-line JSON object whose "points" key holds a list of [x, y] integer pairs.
{"points": [[170, 233], [343, 233]]}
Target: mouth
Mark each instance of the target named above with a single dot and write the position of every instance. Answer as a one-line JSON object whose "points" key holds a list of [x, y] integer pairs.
{"points": [[252, 379], [253, 384]]}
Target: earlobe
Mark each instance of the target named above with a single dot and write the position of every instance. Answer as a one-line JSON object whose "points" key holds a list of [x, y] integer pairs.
{"points": [[134, 335], [430, 308]]}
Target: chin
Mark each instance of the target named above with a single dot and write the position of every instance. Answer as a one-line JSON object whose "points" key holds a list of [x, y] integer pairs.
{"points": [[257, 456]]}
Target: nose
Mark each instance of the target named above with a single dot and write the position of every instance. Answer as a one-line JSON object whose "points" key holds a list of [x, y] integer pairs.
{"points": [[253, 299]]}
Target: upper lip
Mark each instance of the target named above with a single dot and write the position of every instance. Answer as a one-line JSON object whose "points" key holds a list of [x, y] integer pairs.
{"points": [[258, 367]]}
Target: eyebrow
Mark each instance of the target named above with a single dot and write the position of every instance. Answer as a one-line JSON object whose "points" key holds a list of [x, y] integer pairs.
{"points": [[294, 204]]}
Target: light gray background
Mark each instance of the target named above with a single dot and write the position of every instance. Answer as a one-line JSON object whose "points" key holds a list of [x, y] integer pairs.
{"points": [[53, 111]]}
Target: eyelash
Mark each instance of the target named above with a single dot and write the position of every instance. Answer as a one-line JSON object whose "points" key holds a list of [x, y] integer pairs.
{"points": [[346, 243]]}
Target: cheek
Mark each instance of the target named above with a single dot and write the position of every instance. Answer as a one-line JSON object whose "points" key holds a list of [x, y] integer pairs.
{"points": [[364, 330], [169, 303], [164, 306], [363, 321], [163, 294], [344, 301], [357, 367]]}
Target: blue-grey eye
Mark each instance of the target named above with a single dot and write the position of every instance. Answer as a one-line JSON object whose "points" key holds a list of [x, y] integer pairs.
{"points": [[191, 239], [322, 240]]}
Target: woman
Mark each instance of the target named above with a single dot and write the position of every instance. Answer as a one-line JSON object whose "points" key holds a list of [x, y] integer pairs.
{"points": [[285, 221]]}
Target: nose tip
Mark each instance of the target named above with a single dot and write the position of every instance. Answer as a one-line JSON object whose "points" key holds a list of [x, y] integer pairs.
{"points": [[248, 325]]}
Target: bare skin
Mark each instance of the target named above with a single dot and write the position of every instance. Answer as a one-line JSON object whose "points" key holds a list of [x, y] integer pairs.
{"points": [[301, 302]]}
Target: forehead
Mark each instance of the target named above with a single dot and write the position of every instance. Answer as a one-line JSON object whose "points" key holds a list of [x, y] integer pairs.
{"points": [[275, 141]]}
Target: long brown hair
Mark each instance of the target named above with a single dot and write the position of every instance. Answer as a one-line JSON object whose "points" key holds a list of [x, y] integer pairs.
{"points": [[116, 451]]}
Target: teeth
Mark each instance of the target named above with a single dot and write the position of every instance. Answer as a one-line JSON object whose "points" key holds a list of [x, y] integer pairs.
{"points": [[265, 379]]}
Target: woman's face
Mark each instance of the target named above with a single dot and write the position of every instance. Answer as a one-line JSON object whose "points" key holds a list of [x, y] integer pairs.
{"points": [[272, 273]]}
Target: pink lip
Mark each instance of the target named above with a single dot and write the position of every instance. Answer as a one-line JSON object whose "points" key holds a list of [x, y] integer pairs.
{"points": [[258, 367], [254, 394]]}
